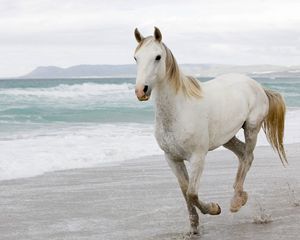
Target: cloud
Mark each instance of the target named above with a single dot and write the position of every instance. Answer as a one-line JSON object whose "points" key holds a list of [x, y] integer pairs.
{"points": [[45, 32]]}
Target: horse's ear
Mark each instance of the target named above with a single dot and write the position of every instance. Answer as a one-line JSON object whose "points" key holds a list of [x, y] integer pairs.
{"points": [[138, 36], [157, 34]]}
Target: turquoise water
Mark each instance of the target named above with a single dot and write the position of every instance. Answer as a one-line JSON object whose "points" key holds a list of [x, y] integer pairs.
{"points": [[288, 87], [54, 124], [92, 100], [70, 100]]}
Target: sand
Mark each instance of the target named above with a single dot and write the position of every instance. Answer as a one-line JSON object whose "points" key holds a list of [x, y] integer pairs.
{"points": [[140, 199]]}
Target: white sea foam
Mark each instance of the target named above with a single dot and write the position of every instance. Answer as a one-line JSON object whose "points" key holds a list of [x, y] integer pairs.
{"points": [[34, 152], [28, 154]]}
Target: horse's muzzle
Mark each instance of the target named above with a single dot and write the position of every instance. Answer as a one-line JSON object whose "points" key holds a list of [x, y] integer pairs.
{"points": [[144, 98], [143, 93]]}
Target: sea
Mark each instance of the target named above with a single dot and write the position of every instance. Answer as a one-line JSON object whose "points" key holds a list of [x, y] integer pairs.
{"points": [[57, 124]]}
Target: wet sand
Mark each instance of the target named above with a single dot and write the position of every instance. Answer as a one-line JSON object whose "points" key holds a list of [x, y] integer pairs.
{"points": [[140, 199]]}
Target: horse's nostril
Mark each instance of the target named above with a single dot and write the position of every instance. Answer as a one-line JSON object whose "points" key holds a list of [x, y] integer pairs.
{"points": [[145, 89]]}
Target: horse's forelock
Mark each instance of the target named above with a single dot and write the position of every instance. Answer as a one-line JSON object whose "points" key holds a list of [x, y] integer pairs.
{"points": [[142, 42]]}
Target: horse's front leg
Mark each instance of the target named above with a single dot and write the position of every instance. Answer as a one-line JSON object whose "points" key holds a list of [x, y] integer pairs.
{"points": [[179, 169], [197, 164]]}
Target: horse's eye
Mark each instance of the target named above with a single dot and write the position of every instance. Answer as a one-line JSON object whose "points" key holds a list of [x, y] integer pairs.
{"points": [[158, 57], [134, 58]]}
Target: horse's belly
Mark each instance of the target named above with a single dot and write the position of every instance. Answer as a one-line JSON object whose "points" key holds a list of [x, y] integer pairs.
{"points": [[223, 137], [225, 125]]}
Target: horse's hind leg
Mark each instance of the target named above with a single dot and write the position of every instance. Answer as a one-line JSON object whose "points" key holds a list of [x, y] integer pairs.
{"points": [[244, 151], [179, 169], [238, 148]]}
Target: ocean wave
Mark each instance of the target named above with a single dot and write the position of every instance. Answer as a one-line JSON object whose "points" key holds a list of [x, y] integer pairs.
{"points": [[71, 91], [86, 102]]}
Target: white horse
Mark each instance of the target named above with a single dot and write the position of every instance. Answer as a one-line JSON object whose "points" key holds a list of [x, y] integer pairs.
{"points": [[192, 118]]}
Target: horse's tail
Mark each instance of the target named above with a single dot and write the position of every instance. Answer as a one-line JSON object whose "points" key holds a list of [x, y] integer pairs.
{"points": [[273, 124]]}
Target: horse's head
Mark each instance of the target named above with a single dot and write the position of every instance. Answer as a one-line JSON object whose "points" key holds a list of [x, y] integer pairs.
{"points": [[150, 56]]}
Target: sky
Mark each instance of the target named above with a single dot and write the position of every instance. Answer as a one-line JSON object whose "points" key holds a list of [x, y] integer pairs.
{"points": [[65, 33]]}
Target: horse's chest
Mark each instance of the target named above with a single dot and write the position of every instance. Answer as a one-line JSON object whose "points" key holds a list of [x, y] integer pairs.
{"points": [[175, 142]]}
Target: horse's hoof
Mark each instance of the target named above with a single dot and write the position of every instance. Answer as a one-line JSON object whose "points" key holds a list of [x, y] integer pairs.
{"points": [[238, 201], [194, 230], [234, 209], [236, 204], [215, 209]]}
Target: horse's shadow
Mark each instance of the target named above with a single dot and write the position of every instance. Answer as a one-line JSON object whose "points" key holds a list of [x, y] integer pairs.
{"points": [[180, 236]]}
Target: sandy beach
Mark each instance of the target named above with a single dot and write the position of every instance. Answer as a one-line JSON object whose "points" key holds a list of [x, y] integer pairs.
{"points": [[140, 199]]}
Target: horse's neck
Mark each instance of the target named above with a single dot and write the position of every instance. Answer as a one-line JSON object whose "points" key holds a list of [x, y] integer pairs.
{"points": [[166, 103]]}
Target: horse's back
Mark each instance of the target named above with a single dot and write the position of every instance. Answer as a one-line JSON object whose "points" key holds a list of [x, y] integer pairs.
{"points": [[227, 88], [233, 83]]}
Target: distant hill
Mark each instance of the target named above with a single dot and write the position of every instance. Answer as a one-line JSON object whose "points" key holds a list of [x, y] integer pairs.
{"points": [[82, 71], [200, 70]]}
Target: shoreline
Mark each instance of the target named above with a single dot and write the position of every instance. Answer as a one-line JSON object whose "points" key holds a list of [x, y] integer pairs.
{"points": [[140, 199], [118, 163]]}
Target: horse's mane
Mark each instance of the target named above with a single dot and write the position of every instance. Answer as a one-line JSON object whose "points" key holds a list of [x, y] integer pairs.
{"points": [[188, 84]]}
